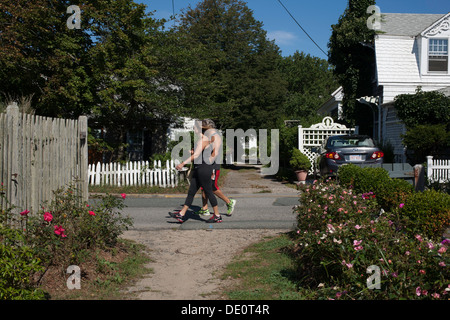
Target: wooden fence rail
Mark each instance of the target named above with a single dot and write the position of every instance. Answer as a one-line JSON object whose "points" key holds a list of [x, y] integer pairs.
{"points": [[39, 155], [134, 173]]}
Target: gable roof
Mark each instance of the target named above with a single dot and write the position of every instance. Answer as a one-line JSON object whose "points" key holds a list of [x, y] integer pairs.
{"points": [[407, 24]]}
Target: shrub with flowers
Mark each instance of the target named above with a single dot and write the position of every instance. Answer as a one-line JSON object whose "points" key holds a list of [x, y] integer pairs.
{"points": [[426, 212], [64, 230], [340, 235]]}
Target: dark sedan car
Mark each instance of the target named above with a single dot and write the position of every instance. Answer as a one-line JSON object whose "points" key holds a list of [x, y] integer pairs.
{"points": [[339, 150]]}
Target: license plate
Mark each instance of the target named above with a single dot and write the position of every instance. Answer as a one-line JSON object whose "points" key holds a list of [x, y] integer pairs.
{"points": [[355, 157]]}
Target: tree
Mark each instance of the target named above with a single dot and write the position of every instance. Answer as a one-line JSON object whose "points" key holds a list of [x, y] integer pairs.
{"points": [[351, 52], [41, 58], [423, 108], [427, 119], [309, 83], [122, 68], [243, 63]]}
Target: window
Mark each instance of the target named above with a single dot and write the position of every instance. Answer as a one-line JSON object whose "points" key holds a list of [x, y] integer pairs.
{"points": [[438, 55]]}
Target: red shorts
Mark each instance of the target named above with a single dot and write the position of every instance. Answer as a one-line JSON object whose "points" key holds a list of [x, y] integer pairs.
{"points": [[214, 181]]}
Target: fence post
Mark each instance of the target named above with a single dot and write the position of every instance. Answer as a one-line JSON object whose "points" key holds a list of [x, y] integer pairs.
{"points": [[430, 168], [12, 163], [84, 173], [419, 178]]}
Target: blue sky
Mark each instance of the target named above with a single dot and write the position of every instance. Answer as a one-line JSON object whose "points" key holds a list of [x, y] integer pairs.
{"points": [[315, 16]]}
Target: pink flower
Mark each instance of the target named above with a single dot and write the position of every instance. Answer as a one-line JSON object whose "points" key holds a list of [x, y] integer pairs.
{"points": [[48, 216], [357, 227], [430, 245], [60, 231], [422, 271], [418, 291], [436, 295], [24, 213], [92, 213], [401, 205], [358, 248], [124, 195], [418, 237], [442, 250], [357, 242], [442, 264]]}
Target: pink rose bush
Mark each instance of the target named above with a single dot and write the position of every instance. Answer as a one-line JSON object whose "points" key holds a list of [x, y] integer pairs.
{"points": [[340, 234]]}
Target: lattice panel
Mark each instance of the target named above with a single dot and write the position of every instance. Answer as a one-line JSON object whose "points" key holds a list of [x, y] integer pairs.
{"points": [[313, 137]]}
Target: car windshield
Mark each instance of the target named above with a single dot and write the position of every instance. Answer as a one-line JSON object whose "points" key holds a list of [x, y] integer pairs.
{"points": [[349, 141]]}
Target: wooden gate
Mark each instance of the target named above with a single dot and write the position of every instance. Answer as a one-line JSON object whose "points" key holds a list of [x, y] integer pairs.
{"points": [[39, 155]]}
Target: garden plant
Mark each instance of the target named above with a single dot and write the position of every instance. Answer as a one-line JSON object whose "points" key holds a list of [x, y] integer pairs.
{"points": [[344, 235], [64, 232]]}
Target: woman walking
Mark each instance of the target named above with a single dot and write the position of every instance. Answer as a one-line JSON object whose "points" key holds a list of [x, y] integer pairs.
{"points": [[201, 174]]}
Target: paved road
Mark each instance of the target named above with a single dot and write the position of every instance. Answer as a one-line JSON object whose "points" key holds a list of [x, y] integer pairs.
{"points": [[252, 211], [262, 203]]}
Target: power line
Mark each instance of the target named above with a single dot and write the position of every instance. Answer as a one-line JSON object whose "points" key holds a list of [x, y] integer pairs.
{"points": [[302, 28]]}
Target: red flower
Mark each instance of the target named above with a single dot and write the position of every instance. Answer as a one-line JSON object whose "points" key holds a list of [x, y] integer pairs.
{"points": [[124, 195], [60, 231], [92, 213], [48, 216], [25, 212]]}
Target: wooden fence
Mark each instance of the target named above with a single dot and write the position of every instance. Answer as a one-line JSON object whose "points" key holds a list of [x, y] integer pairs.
{"points": [[39, 155], [134, 173], [438, 170]]}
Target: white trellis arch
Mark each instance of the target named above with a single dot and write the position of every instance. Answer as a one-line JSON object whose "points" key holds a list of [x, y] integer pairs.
{"points": [[310, 139]]}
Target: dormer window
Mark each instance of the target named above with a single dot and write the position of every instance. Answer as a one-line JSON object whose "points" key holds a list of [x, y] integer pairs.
{"points": [[438, 55]]}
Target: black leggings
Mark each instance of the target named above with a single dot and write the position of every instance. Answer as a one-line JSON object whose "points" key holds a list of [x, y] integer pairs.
{"points": [[201, 178]]}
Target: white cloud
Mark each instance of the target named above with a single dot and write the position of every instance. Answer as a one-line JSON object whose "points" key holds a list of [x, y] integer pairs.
{"points": [[282, 37]]}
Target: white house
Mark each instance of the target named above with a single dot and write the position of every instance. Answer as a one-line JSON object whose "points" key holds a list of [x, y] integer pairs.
{"points": [[411, 51]]}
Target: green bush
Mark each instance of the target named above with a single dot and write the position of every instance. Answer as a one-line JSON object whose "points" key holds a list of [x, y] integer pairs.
{"points": [[340, 235], [18, 263], [362, 179], [62, 233], [73, 226], [426, 140], [389, 193], [299, 161], [428, 213]]}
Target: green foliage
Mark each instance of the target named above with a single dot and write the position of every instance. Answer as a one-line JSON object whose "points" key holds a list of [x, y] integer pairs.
{"points": [[243, 63], [339, 235], [309, 82], [299, 161], [389, 193], [428, 213], [352, 56], [425, 212], [74, 226], [18, 263], [426, 140], [423, 108], [61, 233]]}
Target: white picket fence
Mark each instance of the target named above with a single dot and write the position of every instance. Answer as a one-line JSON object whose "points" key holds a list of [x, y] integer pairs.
{"points": [[438, 170], [134, 173]]}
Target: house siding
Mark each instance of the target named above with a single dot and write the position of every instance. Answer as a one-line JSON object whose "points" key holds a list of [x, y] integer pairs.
{"points": [[402, 67]]}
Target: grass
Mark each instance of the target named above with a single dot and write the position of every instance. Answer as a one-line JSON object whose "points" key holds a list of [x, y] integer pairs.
{"points": [[264, 271]]}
